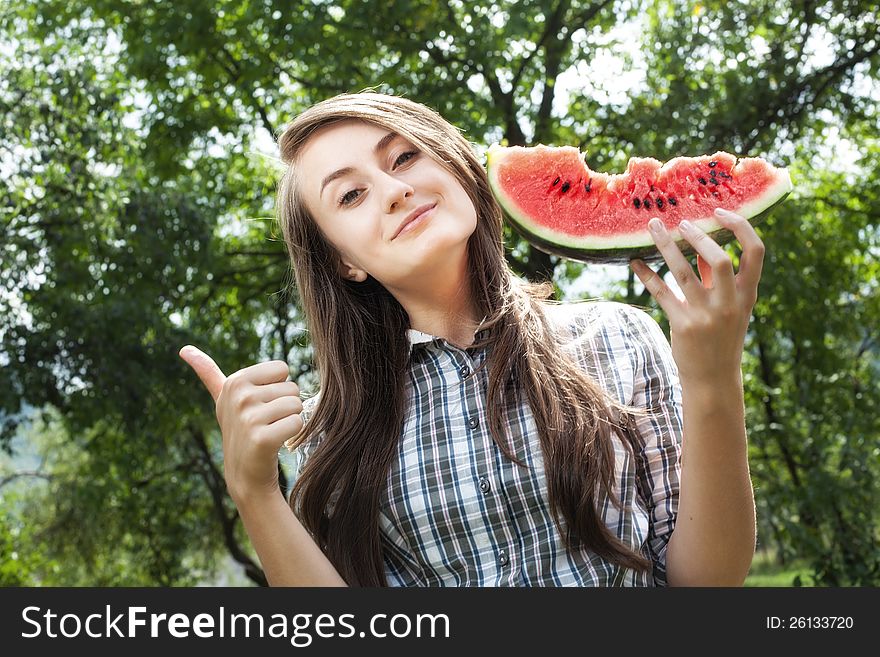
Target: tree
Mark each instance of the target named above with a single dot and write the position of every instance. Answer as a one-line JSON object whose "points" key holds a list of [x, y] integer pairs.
{"points": [[137, 218]]}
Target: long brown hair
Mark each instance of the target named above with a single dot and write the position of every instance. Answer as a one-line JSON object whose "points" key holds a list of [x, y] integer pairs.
{"points": [[361, 352]]}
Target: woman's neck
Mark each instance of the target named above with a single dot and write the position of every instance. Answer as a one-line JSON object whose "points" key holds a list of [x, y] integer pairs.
{"points": [[442, 305]]}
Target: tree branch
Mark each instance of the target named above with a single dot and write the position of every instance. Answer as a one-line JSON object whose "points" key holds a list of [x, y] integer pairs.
{"points": [[588, 14], [552, 28], [553, 51], [769, 378], [8, 479], [182, 467], [793, 103], [217, 487]]}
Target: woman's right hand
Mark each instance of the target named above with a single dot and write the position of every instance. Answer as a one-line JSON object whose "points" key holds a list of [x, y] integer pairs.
{"points": [[258, 410]]}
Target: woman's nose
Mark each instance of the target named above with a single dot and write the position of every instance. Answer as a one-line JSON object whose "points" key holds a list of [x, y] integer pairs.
{"points": [[396, 191]]}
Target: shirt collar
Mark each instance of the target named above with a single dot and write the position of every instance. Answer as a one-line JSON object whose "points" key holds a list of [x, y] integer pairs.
{"points": [[418, 337]]}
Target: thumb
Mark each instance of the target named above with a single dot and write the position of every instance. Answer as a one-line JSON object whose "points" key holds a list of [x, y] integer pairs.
{"points": [[205, 367]]}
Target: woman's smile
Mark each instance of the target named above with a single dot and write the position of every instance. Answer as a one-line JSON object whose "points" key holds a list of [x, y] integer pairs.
{"points": [[416, 219]]}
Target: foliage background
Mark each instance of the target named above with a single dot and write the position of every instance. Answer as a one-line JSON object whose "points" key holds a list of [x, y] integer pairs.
{"points": [[136, 215]]}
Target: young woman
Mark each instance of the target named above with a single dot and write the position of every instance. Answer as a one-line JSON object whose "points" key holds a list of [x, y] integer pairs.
{"points": [[467, 431]]}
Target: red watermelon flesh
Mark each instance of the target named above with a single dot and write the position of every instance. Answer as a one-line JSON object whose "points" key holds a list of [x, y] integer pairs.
{"points": [[563, 207]]}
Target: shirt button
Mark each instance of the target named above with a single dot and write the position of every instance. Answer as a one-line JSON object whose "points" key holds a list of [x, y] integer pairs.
{"points": [[485, 486], [502, 558], [473, 423], [465, 372]]}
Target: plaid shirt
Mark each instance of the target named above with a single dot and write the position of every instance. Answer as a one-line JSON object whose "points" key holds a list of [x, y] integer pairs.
{"points": [[456, 512]]}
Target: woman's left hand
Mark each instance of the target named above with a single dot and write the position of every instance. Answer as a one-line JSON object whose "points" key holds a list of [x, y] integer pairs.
{"points": [[708, 326]]}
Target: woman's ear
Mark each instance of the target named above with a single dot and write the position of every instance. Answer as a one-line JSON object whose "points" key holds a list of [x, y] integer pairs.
{"points": [[351, 273]]}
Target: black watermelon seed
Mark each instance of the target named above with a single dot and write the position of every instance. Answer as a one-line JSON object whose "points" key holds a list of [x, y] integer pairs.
{"points": [[565, 186], [712, 164], [637, 203], [652, 188], [672, 201], [702, 181], [659, 203], [723, 175], [555, 182], [714, 181], [715, 194], [647, 203], [587, 188]]}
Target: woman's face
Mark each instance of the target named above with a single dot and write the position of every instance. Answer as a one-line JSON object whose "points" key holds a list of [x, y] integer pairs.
{"points": [[390, 210]]}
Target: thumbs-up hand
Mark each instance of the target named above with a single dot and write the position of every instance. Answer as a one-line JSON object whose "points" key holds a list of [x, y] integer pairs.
{"points": [[258, 410]]}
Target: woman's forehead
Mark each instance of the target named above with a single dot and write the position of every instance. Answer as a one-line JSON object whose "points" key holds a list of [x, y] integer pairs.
{"points": [[346, 129]]}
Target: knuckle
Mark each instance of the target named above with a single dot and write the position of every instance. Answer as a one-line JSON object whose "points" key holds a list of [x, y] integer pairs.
{"points": [[723, 264], [683, 273], [259, 435], [242, 398], [279, 366], [234, 381], [287, 404], [295, 425], [685, 327], [249, 418], [727, 313]]}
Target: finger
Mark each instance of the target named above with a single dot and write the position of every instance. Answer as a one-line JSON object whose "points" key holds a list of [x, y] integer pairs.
{"points": [[719, 262], [271, 391], [679, 266], [657, 288], [272, 371], [280, 432], [751, 262], [206, 369], [278, 409], [705, 271]]}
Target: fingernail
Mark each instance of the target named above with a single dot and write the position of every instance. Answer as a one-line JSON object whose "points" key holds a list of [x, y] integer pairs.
{"points": [[686, 226], [656, 226], [721, 212]]}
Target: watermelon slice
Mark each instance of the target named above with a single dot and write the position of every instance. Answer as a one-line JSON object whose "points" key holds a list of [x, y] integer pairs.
{"points": [[558, 204]]}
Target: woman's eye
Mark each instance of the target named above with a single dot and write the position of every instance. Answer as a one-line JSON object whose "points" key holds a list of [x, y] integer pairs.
{"points": [[403, 158], [349, 197]]}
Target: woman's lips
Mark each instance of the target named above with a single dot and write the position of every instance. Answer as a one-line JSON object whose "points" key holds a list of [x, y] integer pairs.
{"points": [[417, 218]]}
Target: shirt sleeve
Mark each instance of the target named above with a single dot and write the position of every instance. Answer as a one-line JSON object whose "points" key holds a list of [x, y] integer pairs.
{"points": [[656, 388]]}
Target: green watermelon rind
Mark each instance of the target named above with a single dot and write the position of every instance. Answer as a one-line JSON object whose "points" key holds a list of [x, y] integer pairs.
{"points": [[634, 245], [622, 255]]}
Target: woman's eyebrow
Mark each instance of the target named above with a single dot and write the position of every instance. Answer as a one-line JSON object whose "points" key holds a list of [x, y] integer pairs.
{"points": [[333, 176], [381, 145]]}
